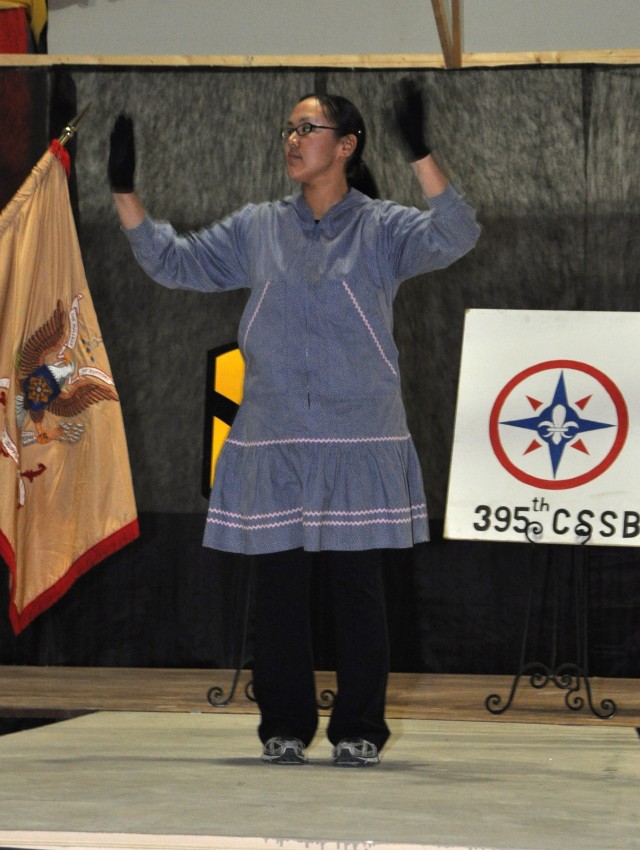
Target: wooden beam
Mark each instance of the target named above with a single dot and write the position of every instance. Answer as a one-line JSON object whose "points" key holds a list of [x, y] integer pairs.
{"points": [[553, 57], [353, 61], [342, 60], [444, 33], [456, 27]]}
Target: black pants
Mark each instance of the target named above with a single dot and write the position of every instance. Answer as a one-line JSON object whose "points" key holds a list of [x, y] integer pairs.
{"points": [[283, 678]]}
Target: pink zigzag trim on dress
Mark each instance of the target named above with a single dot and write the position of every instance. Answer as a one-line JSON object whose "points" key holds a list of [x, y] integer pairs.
{"points": [[261, 526], [255, 313], [250, 517], [368, 327], [254, 443], [249, 522], [254, 516]]}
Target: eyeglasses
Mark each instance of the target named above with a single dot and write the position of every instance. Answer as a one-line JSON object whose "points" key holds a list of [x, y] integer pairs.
{"points": [[305, 128]]}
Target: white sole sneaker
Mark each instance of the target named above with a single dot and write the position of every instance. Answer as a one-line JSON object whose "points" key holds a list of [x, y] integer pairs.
{"points": [[355, 752], [280, 750]]}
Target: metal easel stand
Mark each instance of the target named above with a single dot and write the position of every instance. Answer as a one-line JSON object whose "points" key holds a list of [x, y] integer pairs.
{"points": [[216, 695], [567, 676]]}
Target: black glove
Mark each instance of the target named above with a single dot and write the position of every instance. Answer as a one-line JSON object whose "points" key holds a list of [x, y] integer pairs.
{"points": [[410, 116], [122, 156]]}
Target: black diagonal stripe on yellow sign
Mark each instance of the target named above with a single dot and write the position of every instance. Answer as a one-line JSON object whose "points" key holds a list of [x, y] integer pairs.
{"points": [[225, 375]]}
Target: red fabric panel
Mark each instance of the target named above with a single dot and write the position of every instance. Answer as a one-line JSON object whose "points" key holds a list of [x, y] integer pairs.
{"points": [[15, 107], [14, 31]]}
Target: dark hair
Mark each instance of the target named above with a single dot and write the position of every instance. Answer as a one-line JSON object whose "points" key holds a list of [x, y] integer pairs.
{"points": [[348, 120]]}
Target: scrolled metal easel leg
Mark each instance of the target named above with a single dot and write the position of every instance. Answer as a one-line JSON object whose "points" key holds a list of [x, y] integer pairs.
{"points": [[539, 676], [565, 676], [326, 698], [569, 677], [215, 694]]}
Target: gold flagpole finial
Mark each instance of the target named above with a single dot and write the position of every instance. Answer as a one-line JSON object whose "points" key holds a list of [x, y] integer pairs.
{"points": [[72, 127]]}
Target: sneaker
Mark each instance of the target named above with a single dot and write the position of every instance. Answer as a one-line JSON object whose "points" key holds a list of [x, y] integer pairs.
{"points": [[355, 752], [281, 750]]}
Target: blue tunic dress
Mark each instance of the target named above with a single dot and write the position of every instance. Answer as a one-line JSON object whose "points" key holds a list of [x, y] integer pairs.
{"points": [[319, 455]]}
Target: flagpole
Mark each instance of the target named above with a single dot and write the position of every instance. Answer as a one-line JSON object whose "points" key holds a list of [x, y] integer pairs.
{"points": [[72, 127]]}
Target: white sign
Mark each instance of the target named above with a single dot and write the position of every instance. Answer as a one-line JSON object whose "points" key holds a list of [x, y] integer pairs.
{"points": [[547, 433]]}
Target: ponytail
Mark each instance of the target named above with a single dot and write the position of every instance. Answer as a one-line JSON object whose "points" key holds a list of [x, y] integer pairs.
{"points": [[360, 177]]}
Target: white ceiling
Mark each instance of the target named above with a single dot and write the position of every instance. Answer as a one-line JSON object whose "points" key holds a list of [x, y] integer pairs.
{"points": [[294, 27]]}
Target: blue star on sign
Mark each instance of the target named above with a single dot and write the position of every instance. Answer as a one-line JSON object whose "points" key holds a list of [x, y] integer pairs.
{"points": [[558, 424]]}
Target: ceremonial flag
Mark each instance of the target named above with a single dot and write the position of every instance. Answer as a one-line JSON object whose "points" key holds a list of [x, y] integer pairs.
{"points": [[66, 496]]}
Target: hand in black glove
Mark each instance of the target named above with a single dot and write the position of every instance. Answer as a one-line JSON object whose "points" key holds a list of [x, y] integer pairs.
{"points": [[410, 109], [122, 156]]}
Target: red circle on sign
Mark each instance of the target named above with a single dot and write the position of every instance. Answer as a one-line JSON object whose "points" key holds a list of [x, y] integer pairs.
{"points": [[551, 484]]}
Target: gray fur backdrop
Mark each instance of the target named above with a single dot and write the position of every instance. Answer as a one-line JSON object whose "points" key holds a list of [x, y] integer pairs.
{"points": [[547, 155]]}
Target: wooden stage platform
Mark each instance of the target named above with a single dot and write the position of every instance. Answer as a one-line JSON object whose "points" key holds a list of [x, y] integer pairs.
{"points": [[142, 761], [65, 692], [118, 780]]}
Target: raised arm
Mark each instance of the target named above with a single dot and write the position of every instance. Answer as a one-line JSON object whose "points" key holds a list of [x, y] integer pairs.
{"points": [[410, 118], [121, 172], [209, 260]]}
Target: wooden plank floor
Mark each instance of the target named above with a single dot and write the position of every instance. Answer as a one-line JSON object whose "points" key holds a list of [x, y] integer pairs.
{"points": [[60, 692]]}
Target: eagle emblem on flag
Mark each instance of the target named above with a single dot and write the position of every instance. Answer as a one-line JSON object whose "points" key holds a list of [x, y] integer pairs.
{"points": [[46, 380]]}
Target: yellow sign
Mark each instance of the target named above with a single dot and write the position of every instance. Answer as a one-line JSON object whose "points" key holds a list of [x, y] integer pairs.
{"points": [[225, 376]]}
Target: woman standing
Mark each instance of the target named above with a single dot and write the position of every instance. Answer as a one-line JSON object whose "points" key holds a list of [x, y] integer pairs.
{"points": [[319, 458]]}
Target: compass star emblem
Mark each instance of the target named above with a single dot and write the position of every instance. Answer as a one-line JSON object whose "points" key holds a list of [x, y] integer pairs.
{"points": [[558, 424], [565, 405]]}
